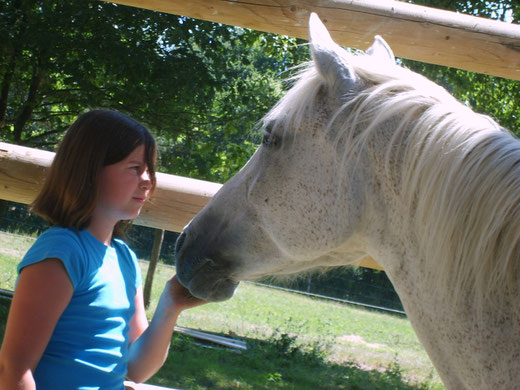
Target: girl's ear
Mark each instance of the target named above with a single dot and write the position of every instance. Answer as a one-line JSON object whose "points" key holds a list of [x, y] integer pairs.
{"points": [[381, 50], [328, 55]]}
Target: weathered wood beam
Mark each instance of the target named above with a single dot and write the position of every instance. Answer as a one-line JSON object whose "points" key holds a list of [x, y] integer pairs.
{"points": [[415, 32], [175, 202]]}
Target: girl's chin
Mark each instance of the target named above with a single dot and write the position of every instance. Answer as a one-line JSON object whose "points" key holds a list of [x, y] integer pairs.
{"points": [[132, 214]]}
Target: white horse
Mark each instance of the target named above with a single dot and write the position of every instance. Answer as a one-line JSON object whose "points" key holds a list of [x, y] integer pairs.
{"points": [[365, 158]]}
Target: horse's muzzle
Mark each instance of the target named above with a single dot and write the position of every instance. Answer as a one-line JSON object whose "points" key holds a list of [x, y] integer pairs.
{"points": [[203, 275]]}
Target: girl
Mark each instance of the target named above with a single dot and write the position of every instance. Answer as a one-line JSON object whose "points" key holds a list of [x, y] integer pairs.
{"points": [[77, 320]]}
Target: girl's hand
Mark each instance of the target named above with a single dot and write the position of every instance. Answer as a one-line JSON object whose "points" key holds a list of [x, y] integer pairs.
{"points": [[180, 295]]}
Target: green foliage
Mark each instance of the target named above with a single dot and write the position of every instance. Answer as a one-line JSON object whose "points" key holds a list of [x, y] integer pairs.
{"points": [[503, 10], [199, 86], [217, 148], [287, 348], [494, 96], [77, 55]]}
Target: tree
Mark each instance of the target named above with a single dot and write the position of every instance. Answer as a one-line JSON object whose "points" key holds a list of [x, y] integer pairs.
{"points": [[197, 85], [251, 83], [64, 56], [494, 96]]}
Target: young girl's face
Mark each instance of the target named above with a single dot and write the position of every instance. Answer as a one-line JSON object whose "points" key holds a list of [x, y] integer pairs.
{"points": [[123, 188]]}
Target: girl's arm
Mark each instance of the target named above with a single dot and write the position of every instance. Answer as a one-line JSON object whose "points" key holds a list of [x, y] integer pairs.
{"points": [[42, 294], [150, 349]]}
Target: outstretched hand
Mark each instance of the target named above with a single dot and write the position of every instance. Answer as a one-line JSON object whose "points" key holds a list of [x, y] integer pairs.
{"points": [[180, 295]]}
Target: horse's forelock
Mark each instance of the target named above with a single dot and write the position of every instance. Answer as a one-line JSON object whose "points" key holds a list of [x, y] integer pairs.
{"points": [[300, 99]]}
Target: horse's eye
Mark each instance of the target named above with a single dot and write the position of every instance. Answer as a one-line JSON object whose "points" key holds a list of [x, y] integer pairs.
{"points": [[270, 140]]}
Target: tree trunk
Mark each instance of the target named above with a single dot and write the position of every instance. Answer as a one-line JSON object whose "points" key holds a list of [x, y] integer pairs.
{"points": [[30, 102], [6, 83]]}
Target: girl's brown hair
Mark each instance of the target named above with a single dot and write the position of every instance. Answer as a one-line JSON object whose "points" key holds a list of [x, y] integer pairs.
{"points": [[97, 138]]}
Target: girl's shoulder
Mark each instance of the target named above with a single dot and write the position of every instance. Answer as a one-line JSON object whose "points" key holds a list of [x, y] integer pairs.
{"points": [[57, 239], [59, 233], [123, 247], [61, 243]]}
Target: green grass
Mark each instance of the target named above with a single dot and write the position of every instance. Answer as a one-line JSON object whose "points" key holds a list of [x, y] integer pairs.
{"points": [[294, 342], [12, 249]]}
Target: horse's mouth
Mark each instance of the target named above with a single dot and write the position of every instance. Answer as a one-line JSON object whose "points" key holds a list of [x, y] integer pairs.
{"points": [[206, 281]]}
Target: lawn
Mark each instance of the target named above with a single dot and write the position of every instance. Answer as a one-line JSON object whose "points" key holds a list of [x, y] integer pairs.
{"points": [[294, 342]]}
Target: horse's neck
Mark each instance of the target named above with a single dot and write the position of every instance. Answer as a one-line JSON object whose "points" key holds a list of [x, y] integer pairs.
{"points": [[392, 237], [390, 232], [455, 342], [471, 337]]}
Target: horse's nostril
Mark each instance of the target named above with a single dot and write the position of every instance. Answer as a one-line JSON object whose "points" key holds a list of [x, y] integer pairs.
{"points": [[180, 243]]}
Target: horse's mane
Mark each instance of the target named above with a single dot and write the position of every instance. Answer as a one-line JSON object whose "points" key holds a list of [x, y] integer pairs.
{"points": [[459, 172]]}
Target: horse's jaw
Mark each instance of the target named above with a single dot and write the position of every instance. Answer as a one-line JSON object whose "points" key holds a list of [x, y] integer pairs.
{"points": [[211, 268]]}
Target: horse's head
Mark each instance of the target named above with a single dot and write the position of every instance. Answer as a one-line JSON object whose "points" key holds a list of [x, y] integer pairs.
{"points": [[300, 202]]}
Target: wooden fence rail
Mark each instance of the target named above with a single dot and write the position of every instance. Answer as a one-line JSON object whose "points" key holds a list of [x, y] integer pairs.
{"points": [[415, 32], [175, 202]]}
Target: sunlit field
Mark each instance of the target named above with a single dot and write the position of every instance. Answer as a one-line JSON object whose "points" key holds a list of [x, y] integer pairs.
{"points": [[294, 341]]}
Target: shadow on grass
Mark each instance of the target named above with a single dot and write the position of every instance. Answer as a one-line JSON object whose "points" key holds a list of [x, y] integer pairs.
{"points": [[277, 363]]}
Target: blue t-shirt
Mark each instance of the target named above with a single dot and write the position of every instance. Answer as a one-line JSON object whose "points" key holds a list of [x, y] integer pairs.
{"points": [[88, 349]]}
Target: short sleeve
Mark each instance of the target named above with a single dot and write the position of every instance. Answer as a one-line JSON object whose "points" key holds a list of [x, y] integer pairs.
{"points": [[62, 244]]}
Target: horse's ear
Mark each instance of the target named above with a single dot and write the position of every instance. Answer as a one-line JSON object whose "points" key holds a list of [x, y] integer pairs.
{"points": [[327, 54], [381, 50]]}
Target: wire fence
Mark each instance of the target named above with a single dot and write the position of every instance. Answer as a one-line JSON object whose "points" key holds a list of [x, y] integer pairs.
{"points": [[353, 285]]}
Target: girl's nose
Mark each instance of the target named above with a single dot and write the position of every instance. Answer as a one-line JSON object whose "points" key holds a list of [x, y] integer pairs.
{"points": [[146, 181]]}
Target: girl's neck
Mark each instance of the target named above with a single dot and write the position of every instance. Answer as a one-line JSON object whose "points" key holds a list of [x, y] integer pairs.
{"points": [[103, 232]]}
